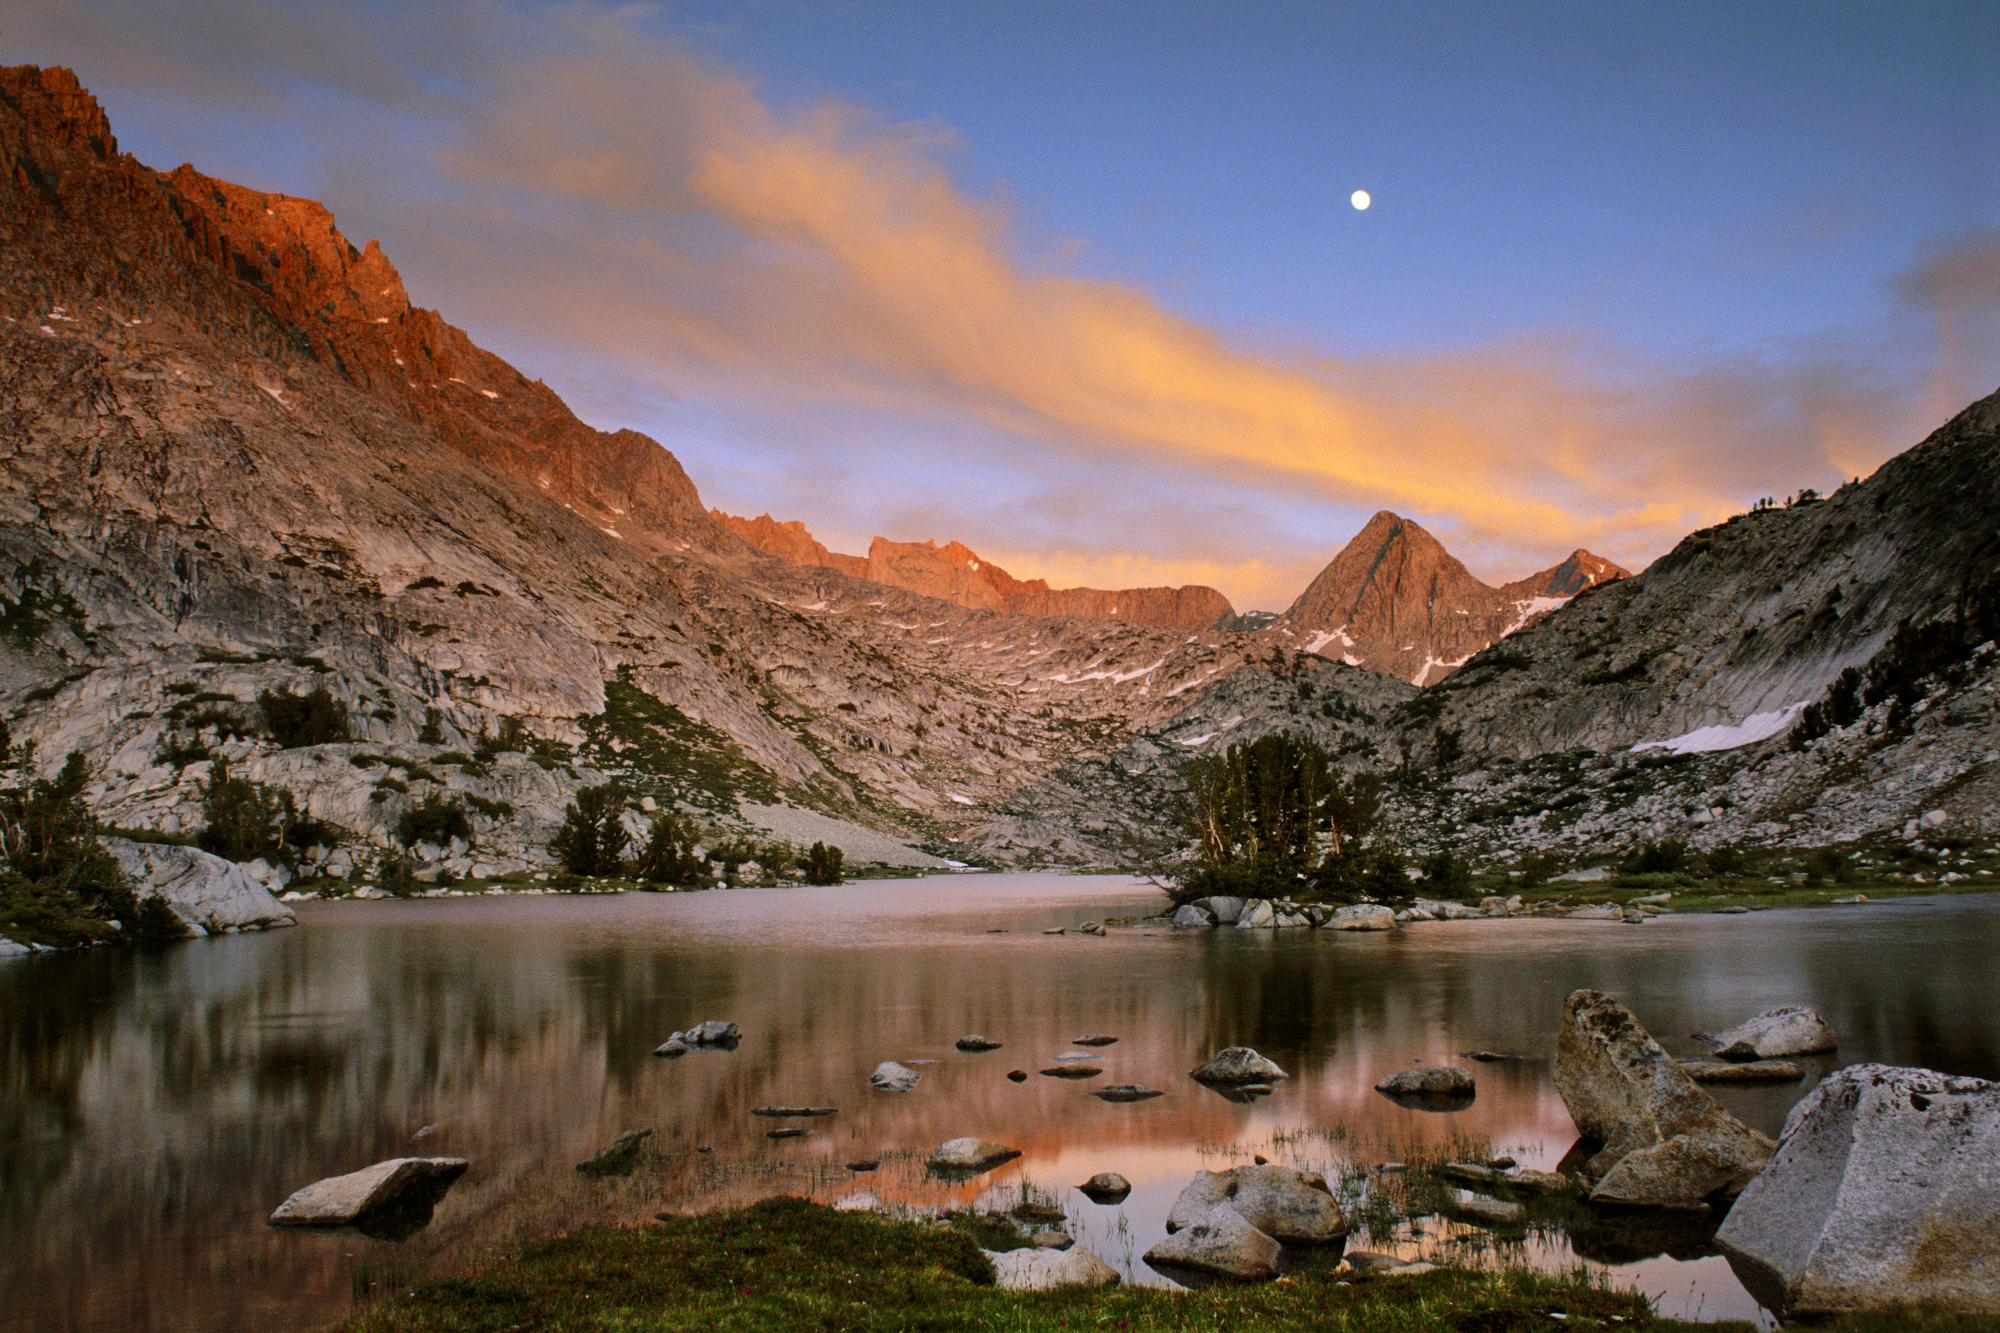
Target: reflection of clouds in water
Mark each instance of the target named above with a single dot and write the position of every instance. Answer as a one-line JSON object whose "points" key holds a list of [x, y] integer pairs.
{"points": [[166, 1103]]}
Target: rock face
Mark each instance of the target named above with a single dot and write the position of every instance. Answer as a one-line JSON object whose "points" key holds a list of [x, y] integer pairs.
{"points": [[208, 893], [970, 1156], [391, 1200], [1222, 1243], [1049, 1269], [1291, 1207], [1791, 1029], [1238, 1065], [1884, 1193], [1395, 601], [1666, 1142]]}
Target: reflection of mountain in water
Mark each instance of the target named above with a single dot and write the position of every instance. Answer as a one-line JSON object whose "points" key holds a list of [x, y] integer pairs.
{"points": [[155, 1108]]}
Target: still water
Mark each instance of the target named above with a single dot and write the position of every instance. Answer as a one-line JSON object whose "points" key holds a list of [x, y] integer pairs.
{"points": [[155, 1108]]}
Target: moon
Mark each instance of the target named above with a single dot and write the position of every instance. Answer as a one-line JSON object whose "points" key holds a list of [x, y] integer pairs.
{"points": [[1360, 200]]}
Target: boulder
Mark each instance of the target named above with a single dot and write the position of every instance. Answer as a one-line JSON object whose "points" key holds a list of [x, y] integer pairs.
{"points": [[969, 1156], [892, 1077], [1884, 1193], [1051, 1238], [391, 1200], [1238, 1064], [714, 1032], [1291, 1207], [1221, 1243], [1666, 1142], [1046, 1269], [673, 1048], [1226, 911], [10, 949], [1256, 915], [973, 1042], [1190, 917], [1105, 1187], [208, 893], [1443, 1082], [1750, 1071], [1792, 1029], [1362, 916], [620, 1157], [1487, 1212]]}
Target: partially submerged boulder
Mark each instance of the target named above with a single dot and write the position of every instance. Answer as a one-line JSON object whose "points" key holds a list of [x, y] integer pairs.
{"points": [[1046, 1269], [889, 1076], [1791, 1029], [1190, 917], [1238, 1064], [1105, 1187], [1445, 1087], [1750, 1071], [1292, 1207], [1221, 1243], [973, 1042], [1666, 1142], [618, 1158], [714, 1032], [390, 1200], [1127, 1092], [1885, 1192], [1362, 916], [209, 894], [969, 1156]]}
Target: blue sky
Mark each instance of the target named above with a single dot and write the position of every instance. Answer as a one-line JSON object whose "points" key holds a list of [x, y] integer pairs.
{"points": [[1078, 284]]}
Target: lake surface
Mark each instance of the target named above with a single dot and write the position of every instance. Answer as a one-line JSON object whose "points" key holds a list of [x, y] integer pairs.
{"points": [[154, 1108]]}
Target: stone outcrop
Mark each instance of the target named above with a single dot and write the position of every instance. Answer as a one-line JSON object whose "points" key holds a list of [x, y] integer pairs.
{"points": [[1036, 1269], [1791, 1029], [1884, 1193], [211, 896], [390, 1200], [1221, 1243], [1666, 1143], [1292, 1207]]}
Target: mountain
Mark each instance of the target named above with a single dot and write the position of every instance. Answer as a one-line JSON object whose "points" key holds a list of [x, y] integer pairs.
{"points": [[1395, 601], [955, 573]]}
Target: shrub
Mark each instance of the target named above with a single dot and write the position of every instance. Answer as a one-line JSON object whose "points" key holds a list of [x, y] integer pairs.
{"points": [[432, 732], [668, 856], [1537, 867], [245, 820], [1668, 856], [56, 880], [435, 819], [1445, 876], [1727, 860], [823, 864], [1828, 863], [292, 720], [592, 839]]}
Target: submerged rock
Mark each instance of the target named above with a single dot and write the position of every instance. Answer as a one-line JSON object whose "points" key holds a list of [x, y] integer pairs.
{"points": [[1095, 1039], [619, 1158], [1666, 1143], [1487, 1212], [1430, 1083], [1048, 1268], [1294, 1207], [1792, 1029], [1127, 1092], [890, 1076], [1222, 1243], [1238, 1064], [1884, 1193], [390, 1200]]}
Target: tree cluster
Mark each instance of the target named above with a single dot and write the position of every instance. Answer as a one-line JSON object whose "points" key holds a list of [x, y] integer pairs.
{"points": [[57, 883], [593, 843]]}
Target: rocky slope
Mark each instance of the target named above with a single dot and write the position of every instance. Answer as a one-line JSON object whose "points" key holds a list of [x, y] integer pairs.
{"points": [[955, 573], [1395, 601]]}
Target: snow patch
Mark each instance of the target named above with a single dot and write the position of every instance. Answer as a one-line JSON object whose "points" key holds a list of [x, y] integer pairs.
{"points": [[1528, 608], [1728, 735], [489, 393], [1193, 741], [963, 800], [609, 532], [1431, 664], [1337, 635]]}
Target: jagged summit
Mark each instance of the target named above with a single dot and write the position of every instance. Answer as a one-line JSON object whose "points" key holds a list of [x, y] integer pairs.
{"points": [[955, 572], [1394, 600]]}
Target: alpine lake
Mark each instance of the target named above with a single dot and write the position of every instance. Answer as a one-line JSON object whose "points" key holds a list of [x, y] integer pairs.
{"points": [[155, 1107]]}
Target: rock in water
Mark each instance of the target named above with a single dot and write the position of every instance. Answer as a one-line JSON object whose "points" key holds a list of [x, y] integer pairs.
{"points": [[1105, 1187], [673, 1048], [892, 1077], [714, 1032], [1666, 1142], [1885, 1192], [1294, 1207], [1190, 917], [1238, 1064], [973, 1042], [1362, 916], [1095, 1039], [1048, 1269], [1790, 1030], [1487, 1212], [1750, 1071], [1073, 1071], [207, 893], [1222, 1243], [390, 1200], [969, 1156], [1430, 1082], [620, 1158], [1127, 1092]]}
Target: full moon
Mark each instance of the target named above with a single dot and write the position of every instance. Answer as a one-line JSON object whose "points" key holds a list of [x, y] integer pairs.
{"points": [[1360, 200]]}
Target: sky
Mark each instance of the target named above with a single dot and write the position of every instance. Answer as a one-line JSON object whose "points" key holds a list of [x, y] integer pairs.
{"points": [[1080, 284]]}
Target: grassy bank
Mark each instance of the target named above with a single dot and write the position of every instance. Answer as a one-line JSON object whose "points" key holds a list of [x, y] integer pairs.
{"points": [[789, 1265]]}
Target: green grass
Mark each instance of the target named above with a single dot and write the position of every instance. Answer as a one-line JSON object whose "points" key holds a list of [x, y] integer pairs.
{"points": [[668, 754], [786, 1264]]}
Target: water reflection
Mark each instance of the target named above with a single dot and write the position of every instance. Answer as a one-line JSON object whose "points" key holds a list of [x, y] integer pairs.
{"points": [[153, 1109]]}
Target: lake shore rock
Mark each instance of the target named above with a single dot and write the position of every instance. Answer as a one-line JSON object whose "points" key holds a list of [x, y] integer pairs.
{"points": [[969, 1156], [1749, 1071], [389, 1200], [1884, 1193], [1292, 1207], [1666, 1142], [1221, 1243], [1238, 1064], [1791, 1029], [1049, 1269], [618, 1158], [210, 895]]}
